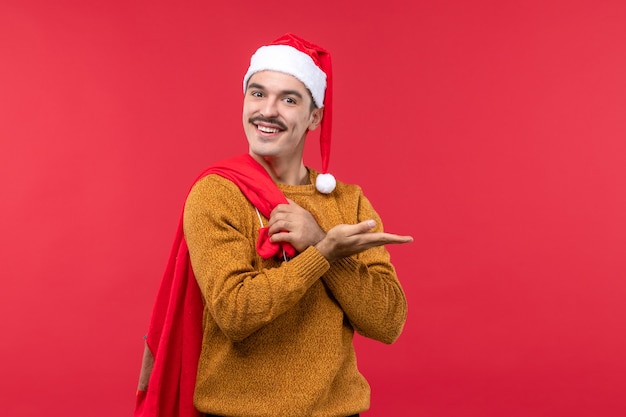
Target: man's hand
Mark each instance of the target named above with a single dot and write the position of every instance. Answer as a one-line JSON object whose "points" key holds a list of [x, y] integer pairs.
{"points": [[346, 240], [293, 224]]}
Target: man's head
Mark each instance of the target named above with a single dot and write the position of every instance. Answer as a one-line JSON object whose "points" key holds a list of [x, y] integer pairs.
{"points": [[294, 56], [310, 66]]}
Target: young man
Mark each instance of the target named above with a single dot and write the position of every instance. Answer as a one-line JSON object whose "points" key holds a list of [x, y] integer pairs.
{"points": [[278, 333], [285, 285]]}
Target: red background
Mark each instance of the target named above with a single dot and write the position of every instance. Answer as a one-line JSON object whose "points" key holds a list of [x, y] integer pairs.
{"points": [[493, 132]]}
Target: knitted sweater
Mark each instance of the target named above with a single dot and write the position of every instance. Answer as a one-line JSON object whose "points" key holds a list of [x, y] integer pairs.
{"points": [[278, 335]]}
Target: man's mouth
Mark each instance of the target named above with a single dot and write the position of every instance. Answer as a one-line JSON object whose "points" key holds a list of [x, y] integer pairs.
{"points": [[268, 125], [266, 129]]}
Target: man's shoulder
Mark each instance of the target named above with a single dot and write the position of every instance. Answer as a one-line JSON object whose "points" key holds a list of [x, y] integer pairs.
{"points": [[348, 186], [214, 185], [342, 188], [347, 189]]}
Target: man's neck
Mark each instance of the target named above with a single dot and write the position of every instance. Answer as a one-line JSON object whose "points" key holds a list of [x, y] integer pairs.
{"points": [[290, 173]]}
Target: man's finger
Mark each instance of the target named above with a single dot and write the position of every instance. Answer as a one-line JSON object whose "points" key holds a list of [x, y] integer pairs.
{"points": [[362, 227], [388, 238]]}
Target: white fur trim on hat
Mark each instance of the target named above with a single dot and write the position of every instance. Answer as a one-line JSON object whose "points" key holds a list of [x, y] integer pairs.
{"points": [[289, 60]]}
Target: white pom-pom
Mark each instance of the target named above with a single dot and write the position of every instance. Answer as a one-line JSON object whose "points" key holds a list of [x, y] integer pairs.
{"points": [[325, 183]]}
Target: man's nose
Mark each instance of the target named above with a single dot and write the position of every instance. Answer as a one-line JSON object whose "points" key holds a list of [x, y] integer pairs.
{"points": [[270, 108]]}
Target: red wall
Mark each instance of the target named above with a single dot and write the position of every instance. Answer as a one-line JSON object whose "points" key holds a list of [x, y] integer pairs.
{"points": [[493, 132]]}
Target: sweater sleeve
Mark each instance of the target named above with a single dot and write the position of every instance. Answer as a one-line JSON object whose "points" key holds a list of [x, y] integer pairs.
{"points": [[367, 288], [240, 296]]}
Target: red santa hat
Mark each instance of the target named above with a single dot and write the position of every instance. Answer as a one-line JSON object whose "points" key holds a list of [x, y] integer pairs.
{"points": [[311, 65]]}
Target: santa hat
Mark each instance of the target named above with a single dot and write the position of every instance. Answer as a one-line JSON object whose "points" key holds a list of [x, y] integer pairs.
{"points": [[311, 65]]}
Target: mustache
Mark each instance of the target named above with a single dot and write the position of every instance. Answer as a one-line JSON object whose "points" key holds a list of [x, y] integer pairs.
{"points": [[271, 120]]}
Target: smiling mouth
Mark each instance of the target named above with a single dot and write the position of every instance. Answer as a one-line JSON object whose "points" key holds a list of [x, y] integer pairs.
{"points": [[266, 129], [268, 125]]}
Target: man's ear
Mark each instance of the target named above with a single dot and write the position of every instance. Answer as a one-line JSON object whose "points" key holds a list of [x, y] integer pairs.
{"points": [[316, 118]]}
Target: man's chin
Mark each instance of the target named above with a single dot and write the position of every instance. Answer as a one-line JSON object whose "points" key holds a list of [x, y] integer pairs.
{"points": [[263, 153]]}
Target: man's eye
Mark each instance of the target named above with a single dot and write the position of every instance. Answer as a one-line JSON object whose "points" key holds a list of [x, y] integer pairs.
{"points": [[256, 94], [290, 100]]}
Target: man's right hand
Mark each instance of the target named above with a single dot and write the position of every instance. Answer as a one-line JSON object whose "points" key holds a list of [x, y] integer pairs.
{"points": [[346, 240]]}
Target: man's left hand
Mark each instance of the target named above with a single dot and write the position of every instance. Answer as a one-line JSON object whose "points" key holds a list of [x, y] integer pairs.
{"points": [[295, 225]]}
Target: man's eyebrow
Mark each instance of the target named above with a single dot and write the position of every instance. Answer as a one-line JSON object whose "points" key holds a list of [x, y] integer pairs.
{"points": [[292, 93], [257, 86]]}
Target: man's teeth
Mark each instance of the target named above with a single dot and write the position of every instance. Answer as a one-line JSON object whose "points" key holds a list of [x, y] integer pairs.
{"points": [[267, 129]]}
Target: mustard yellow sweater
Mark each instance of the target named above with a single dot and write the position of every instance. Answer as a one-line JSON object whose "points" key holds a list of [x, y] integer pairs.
{"points": [[278, 335]]}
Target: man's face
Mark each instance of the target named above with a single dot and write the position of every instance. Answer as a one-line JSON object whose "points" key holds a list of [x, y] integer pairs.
{"points": [[277, 114]]}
